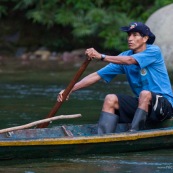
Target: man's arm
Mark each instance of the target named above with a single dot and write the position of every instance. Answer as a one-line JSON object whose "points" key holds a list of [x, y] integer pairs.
{"points": [[86, 81], [92, 53], [126, 60]]}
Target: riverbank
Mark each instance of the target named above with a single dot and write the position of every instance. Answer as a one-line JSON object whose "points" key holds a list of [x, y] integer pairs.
{"points": [[14, 70]]}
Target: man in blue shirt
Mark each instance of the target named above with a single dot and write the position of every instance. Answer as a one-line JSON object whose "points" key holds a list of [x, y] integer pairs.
{"points": [[148, 78]]}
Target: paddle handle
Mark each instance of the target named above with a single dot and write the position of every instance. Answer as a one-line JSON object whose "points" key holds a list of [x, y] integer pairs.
{"points": [[66, 92]]}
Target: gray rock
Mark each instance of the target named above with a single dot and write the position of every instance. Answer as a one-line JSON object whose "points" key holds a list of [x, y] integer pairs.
{"points": [[161, 25]]}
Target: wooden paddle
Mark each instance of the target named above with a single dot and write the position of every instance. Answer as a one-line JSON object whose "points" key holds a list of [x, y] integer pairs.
{"points": [[66, 92]]}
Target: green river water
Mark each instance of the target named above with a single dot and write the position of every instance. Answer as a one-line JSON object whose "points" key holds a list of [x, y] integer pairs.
{"points": [[23, 102]]}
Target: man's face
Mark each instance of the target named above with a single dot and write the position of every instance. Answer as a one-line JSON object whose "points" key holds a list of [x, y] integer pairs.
{"points": [[136, 42]]}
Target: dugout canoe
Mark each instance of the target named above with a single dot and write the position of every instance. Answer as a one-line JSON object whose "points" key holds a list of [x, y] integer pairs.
{"points": [[71, 140]]}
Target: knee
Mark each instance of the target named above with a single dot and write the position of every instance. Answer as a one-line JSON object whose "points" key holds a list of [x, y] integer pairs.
{"points": [[145, 96], [111, 99]]}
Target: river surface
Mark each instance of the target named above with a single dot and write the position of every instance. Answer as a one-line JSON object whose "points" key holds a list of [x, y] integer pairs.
{"points": [[24, 103]]}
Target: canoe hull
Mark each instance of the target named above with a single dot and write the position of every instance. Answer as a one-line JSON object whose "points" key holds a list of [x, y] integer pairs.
{"points": [[47, 151], [44, 143]]}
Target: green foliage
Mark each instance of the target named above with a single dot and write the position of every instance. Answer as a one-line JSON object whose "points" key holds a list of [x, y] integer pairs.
{"points": [[82, 19], [24, 4], [161, 3], [156, 5], [64, 17], [3, 10]]}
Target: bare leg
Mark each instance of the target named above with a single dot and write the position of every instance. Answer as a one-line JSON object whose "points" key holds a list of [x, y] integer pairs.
{"points": [[144, 100], [141, 112], [108, 120], [110, 103]]}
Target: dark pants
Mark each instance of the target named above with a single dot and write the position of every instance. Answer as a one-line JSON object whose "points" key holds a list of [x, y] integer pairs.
{"points": [[159, 110]]}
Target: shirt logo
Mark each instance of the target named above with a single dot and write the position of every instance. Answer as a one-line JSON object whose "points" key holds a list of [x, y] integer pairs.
{"points": [[143, 72]]}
